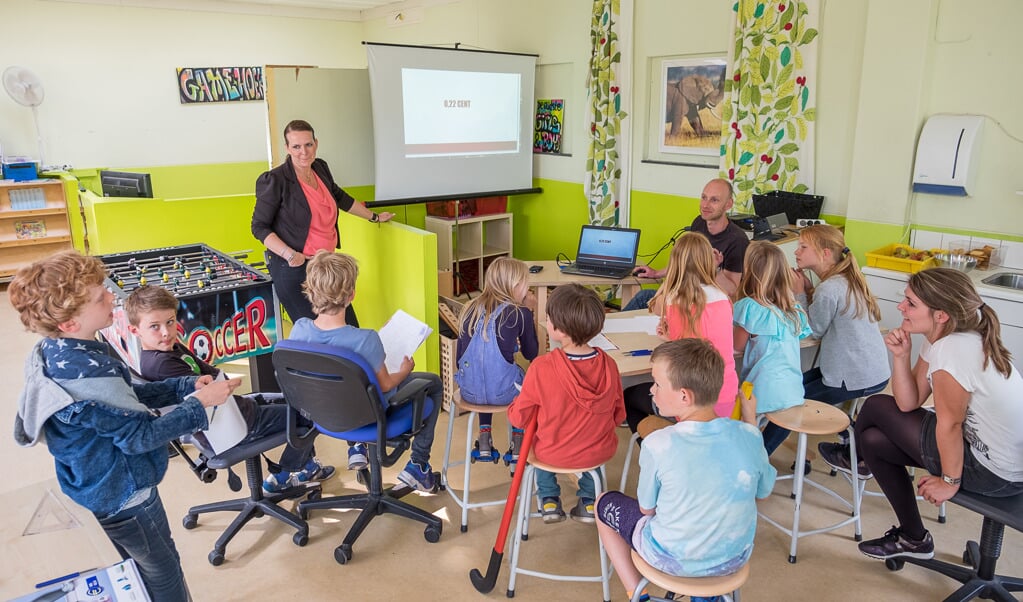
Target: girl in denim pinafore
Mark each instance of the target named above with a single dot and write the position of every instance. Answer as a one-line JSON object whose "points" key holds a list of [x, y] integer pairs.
{"points": [[494, 326]]}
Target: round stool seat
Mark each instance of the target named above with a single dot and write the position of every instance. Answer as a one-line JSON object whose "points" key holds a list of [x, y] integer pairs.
{"points": [[465, 406], [692, 586], [812, 418], [560, 469], [651, 424]]}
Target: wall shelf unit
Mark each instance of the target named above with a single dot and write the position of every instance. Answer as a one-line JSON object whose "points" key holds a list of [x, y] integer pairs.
{"points": [[33, 223], [468, 245]]}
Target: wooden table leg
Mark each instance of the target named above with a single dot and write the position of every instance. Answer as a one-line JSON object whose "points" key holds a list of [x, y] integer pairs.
{"points": [[541, 317]]}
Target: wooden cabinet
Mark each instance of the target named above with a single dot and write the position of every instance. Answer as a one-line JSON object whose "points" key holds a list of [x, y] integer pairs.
{"points": [[468, 245], [33, 223]]}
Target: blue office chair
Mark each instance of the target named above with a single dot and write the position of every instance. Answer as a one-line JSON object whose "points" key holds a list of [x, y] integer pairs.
{"points": [[336, 390]]}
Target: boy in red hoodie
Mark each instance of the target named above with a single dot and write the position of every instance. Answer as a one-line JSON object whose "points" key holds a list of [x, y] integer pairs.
{"points": [[576, 392]]}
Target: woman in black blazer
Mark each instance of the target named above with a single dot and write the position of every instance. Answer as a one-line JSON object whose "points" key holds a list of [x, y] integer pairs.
{"points": [[296, 215]]}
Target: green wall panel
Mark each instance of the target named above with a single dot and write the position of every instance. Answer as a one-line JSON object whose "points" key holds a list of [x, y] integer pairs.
{"points": [[660, 216]]}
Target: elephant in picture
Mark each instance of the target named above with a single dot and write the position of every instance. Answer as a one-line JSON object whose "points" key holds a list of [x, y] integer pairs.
{"points": [[685, 99]]}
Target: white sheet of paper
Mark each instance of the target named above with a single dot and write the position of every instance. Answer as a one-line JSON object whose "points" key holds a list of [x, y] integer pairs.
{"points": [[227, 426], [401, 336], [602, 342], [647, 324]]}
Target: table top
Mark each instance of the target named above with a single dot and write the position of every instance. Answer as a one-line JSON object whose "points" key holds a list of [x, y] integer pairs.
{"points": [[551, 275], [631, 341]]}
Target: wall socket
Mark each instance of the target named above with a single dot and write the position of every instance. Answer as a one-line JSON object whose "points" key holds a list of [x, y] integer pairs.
{"points": [[802, 223]]}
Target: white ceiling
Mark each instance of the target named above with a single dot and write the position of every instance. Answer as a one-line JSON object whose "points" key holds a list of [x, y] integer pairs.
{"points": [[342, 10]]}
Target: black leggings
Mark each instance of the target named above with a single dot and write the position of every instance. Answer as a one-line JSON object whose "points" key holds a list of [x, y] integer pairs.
{"points": [[888, 440], [638, 405]]}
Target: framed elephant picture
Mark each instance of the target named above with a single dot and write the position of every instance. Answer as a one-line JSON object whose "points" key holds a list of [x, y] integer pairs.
{"points": [[692, 90]]}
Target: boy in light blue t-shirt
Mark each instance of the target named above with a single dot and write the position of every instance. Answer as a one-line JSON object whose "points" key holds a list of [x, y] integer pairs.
{"points": [[696, 513]]}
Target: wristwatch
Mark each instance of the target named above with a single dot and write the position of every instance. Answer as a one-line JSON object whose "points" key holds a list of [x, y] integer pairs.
{"points": [[375, 217], [950, 480]]}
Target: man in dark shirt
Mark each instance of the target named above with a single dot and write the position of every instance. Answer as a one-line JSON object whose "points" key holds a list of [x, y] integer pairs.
{"points": [[729, 241]]}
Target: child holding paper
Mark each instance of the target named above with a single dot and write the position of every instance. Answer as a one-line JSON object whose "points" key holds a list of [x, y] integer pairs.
{"points": [[330, 287], [153, 318], [109, 450]]}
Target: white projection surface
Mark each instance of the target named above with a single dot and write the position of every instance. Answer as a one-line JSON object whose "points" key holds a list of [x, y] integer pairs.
{"points": [[450, 123]]}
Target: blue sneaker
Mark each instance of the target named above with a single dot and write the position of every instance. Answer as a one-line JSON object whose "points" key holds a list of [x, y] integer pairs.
{"points": [[418, 476], [277, 482], [313, 471], [483, 450], [357, 459]]}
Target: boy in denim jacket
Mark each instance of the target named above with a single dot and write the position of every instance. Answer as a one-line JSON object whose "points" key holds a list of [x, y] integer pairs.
{"points": [[109, 450]]}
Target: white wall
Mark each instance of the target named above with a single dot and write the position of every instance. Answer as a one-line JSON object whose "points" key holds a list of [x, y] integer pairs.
{"points": [[109, 75]]}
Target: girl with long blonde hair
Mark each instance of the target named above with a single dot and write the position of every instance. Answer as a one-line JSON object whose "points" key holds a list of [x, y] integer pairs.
{"points": [[691, 305], [846, 318], [768, 326], [495, 325]]}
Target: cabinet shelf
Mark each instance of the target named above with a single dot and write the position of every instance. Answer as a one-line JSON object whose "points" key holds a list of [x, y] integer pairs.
{"points": [[44, 230], [468, 245]]}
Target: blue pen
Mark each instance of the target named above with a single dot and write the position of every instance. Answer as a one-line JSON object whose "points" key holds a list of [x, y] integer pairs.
{"points": [[639, 352], [64, 578]]}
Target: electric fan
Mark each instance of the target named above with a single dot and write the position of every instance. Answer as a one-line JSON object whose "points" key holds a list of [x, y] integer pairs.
{"points": [[26, 89]]}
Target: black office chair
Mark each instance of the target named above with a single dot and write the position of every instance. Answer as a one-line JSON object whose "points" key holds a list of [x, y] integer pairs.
{"points": [[258, 503], [979, 578], [336, 390]]}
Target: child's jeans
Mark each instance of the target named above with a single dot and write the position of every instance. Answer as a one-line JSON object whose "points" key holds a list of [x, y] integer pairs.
{"points": [[142, 533], [547, 485]]}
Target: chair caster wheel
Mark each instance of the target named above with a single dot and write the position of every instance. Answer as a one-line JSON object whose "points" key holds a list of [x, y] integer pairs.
{"points": [[314, 495], [302, 513], [190, 521], [343, 553], [216, 558], [361, 477], [792, 560], [432, 534], [967, 557], [894, 564], [207, 475], [465, 528], [300, 539]]}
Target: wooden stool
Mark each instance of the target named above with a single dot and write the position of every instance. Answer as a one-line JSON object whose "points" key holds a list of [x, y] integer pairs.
{"points": [[644, 428], [526, 493], [461, 498], [814, 418], [690, 586]]}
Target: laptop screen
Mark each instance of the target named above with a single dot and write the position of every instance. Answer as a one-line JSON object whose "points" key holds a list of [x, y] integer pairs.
{"points": [[599, 245]]}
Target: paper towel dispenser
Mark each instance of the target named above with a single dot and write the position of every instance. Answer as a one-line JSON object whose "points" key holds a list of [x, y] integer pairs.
{"points": [[946, 154]]}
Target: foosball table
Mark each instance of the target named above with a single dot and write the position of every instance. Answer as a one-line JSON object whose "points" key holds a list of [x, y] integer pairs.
{"points": [[227, 309]]}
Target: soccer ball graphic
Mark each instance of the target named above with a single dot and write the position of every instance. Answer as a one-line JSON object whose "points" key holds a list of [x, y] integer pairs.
{"points": [[202, 346]]}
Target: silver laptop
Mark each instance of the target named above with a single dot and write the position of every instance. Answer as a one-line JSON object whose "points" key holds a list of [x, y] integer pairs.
{"points": [[605, 252], [770, 228]]}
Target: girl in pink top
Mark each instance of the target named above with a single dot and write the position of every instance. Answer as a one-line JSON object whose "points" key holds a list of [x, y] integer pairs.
{"points": [[691, 306]]}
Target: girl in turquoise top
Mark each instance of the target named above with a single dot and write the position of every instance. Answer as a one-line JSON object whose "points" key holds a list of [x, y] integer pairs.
{"points": [[768, 326]]}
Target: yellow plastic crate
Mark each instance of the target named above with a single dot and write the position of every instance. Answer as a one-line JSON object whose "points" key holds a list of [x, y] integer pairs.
{"points": [[884, 258]]}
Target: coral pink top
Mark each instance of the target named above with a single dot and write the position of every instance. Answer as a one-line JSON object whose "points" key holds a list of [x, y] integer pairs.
{"points": [[716, 327], [323, 225]]}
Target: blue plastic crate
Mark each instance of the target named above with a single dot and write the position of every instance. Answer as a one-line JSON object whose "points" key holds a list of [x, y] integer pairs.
{"points": [[20, 172]]}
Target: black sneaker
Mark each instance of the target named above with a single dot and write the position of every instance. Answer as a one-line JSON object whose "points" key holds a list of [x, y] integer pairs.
{"points": [[583, 511], [550, 510], [837, 456], [894, 544]]}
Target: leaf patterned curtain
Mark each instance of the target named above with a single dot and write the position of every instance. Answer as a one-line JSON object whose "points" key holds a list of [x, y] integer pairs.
{"points": [[604, 182], [767, 138]]}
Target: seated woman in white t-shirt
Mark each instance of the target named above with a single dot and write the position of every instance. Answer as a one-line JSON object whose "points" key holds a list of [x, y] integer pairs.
{"points": [[974, 438]]}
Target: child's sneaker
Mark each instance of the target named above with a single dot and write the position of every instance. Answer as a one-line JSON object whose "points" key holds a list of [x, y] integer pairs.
{"points": [[357, 459], [313, 471], [418, 477], [483, 450], [550, 510], [583, 511], [512, 457], [277, 482]]}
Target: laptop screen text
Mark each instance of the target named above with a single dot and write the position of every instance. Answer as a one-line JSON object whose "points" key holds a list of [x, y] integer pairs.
{"points": [[610, 247]]}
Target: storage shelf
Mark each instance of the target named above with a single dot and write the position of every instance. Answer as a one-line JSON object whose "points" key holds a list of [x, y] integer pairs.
{"points": [[52, 221], [470, 245]]}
